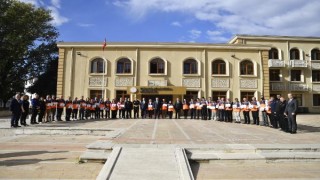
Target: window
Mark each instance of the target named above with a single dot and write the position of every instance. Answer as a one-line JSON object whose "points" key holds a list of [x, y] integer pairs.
{"points": [[246, 68], [315, 75], [123, 66], [316, 100], [96, 93], [273, 53], [294, 54], [216, 94], [274, 74], [315, 54], [190, 66], [97, 66], [191, 95], [298, 97], [157, 66], [295, 75], [248, 95], [122, 94], [218, 67]]}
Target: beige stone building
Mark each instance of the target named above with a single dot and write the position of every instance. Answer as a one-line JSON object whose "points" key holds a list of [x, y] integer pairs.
{"points": [[247, 66]]}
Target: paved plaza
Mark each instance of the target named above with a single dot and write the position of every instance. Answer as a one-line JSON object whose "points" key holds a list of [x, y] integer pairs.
{"points": [[52, 150]]}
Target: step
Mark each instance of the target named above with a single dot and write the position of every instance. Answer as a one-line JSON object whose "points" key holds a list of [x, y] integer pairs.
{"points": [[62, 131], [101, 144], [94, 156]]}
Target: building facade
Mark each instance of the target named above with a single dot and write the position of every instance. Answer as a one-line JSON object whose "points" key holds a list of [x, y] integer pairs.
{"points": [[247, 66]]}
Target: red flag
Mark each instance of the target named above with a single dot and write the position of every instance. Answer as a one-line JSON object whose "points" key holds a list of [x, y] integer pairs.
{"points": [[104, 44]]}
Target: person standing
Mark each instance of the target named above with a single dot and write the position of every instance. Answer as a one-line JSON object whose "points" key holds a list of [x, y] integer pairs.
{"points": [[274, 116], [263, 106], [35, 109], [68, 108], [102, 107], [245, 108], [156, 108], [237, 109], [128, 106], [209, 108], [170, 109], [121, 108], [214, 112], [221, 109], [291, 111], [143, 108], [164, 109], [228, 112], [150, 109], [204, 113], [82, 108], [61, 105], [185, 108], [192, 108], [48, 108], [108, 108], [177, 108], [15, 108], [42, 109], [75, 107], [25, 110], [136, 104], [114, 109], [255, 111], [281, 106], [53, 109], [198, 107]]}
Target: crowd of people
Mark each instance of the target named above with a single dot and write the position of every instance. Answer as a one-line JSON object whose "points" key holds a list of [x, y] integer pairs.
{"points": [[275, 112]]}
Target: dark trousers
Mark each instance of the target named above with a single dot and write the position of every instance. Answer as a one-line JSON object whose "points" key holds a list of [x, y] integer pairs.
{"points": [[15, 119], [41, 115], [53, 113], [283, 122], [228, 115], [204, 114], [222, 114], [81, 114], [34, 115], [292, 123], [170, 114], [24, 118], [255, 116], [97, 113], [74, 113], [143, 113], [136, 112], [185, 113], [68, 114], [108, 114], [122, 113], [164, 114], [198, 113], [114, 114], [209, 114], [178, 111], [192, 113], [150, 112], [101, 113], [246, 117], [274, 120], [87, 113], [157, 113], [128, 113], [59, 113]]}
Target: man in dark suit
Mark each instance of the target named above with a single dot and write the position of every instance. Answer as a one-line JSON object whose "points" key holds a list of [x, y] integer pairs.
{"points": [[143, 107], [156, 107], [291, 112], [177, 108], [15, 108]]}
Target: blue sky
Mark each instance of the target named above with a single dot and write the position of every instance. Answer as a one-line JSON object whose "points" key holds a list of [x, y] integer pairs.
{"points": [[208, 21]]}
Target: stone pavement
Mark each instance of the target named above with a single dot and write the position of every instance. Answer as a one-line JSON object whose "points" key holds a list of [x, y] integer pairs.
{"points": [[51, 150]]}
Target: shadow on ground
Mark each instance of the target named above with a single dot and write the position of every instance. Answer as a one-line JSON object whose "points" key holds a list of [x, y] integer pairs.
{"points": [[27, 153]]}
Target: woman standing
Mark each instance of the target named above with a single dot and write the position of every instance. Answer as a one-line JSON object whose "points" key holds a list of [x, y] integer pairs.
{"points": [[236, 109]]}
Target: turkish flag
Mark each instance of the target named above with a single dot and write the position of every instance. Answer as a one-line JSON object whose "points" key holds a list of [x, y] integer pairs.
{"points": [[104, 44]]}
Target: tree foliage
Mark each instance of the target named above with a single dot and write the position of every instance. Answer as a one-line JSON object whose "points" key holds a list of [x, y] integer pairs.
{"points": [[27, 44]]}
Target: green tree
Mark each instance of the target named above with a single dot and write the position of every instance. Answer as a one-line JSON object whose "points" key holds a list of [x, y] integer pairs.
{"points": [[27, 44]]}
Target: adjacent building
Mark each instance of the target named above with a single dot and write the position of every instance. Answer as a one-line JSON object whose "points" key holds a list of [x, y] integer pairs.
{"points": [[247, 66]]}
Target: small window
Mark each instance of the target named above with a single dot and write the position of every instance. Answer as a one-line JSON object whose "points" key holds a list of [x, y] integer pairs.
{"points": [[295, 75], [218, 94], [190, 66], [248, 95], [191, 95], [218, 67], [315, 54], [273, 53], [274, 74], [294, 54], [124, 66], [246, 68], [316, 99], [122, 94], [315, 75], [97, 66], [157, 66], [96, 94]]}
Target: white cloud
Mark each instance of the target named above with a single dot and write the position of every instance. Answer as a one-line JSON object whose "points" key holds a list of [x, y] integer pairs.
{"points": [[285, 17], [54, 7], [85, 24], [194, 34], [176, 23]]}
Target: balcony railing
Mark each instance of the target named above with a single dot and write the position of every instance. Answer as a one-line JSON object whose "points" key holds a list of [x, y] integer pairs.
{"points": [[276, 63], [298, 87], [315, 64], [298, 63], [278, 86]]}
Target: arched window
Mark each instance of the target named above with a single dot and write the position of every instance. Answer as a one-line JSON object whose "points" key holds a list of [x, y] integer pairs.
{"points": [[294, 54], [246, 68], [273, 53], [157, 66], [190, 66], [123, 66], [218, 67], [315, 54], [97, 66]]}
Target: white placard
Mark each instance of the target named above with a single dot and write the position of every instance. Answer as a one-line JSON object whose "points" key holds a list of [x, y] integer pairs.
{"points": [[228, 105]]}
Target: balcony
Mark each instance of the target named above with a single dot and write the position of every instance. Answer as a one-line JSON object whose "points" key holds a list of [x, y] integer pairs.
{"points": [[315, 64], [298, 87], [276, 63], [298, 63], [278, 86]]}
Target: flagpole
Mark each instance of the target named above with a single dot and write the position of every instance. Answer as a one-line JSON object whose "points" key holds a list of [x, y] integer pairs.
{"points": [[104, 68]]}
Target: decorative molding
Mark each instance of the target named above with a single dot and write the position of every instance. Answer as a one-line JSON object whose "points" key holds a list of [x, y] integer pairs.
{"points": [[97, 81], [278, 86], [124, 81], [276, 63], [220, 83], [315, 65], [298, 87], [298, 63], [248, 83], [191, 82], [316, 87], [157, 82]]}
